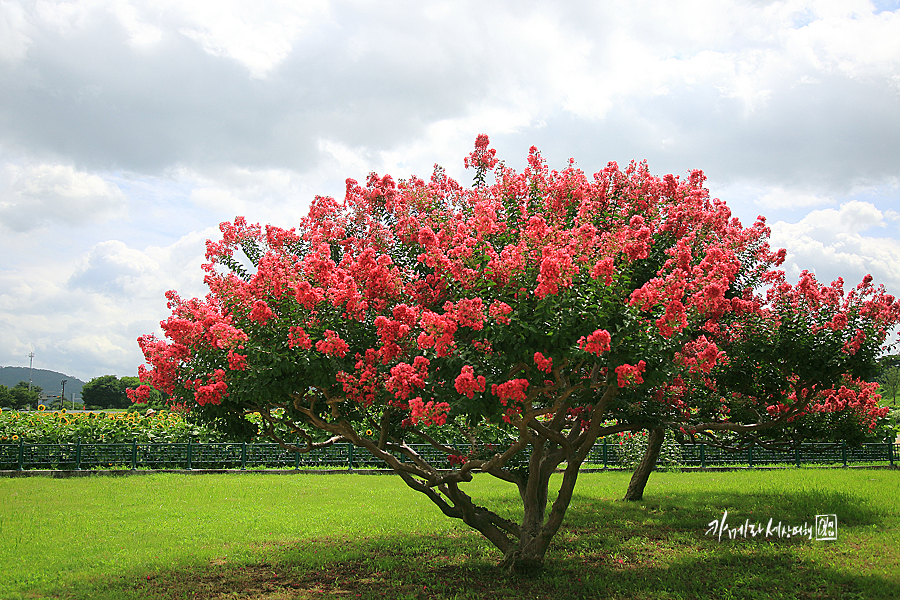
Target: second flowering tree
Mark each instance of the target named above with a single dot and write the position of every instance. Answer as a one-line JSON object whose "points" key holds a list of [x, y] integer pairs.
{"points": [[797, 365], [507, 325]]}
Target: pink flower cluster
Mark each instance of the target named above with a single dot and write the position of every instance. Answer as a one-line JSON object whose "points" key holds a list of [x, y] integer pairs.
{"points": [[139, 395], [700, 355], [604, 268], [543, 363], [164, 360], [437, 333], [514, 390], [596, 343], [225, 336], [429, 413], [237, 362], [298, 338], [307, 295], [332, 345], [406, 378], [557, 268], [363, 386], [467, 312], [456, 459], [467, 384], [482, 157], [499, 311], [856, 395], [212, 390], [630, 375], [639, 245]]}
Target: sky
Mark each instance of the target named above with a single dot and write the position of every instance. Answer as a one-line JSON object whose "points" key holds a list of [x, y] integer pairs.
{"points": [[130, 129]]}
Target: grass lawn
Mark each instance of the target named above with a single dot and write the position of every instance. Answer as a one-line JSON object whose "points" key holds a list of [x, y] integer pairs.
{"points": [[367, 536]]}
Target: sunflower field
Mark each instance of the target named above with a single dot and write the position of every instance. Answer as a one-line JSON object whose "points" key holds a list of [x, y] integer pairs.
{"points": [[61, 427]]}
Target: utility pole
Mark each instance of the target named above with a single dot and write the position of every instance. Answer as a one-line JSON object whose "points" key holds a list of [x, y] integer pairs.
{"points": [[30, 368], [62, 396]]}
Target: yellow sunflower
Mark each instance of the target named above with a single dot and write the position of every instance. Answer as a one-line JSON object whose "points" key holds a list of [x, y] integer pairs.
{"points": [[41, 407]]}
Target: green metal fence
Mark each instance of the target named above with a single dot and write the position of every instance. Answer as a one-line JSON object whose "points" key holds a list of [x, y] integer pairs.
{"points": [[700, 455], [22, 456]]}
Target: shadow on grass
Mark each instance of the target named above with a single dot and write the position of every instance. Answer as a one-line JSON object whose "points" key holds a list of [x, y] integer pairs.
{"points": [[608, 549]]}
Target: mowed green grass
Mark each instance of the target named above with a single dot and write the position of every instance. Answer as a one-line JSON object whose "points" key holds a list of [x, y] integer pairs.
{"points": [[348, 536]]}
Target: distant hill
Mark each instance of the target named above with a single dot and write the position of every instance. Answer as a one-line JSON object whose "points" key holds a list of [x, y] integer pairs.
{"points": [[47, 380]]}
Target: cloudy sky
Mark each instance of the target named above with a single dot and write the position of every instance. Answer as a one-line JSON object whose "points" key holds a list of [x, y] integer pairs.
{"points": [[130, 129]]}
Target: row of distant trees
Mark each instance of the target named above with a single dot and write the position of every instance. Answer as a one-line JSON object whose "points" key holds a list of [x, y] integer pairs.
{"points": [[105, 392]]}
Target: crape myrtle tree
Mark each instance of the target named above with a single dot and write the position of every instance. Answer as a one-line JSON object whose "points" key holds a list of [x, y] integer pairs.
{"points": [[534, 312], [799, 368]]}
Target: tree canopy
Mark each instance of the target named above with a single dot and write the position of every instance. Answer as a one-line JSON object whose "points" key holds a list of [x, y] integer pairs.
{"points": [[110, 391], [536, 312], [19, 395]]}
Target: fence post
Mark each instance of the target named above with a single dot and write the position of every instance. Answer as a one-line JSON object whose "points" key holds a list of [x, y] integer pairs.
{"points": [[604, 453], [133, 454], [750, 454], [797, 455], [844, 452], [243, 456], [702, 456], [190, 453], [891, 452], [350, 457], [21, 454], [297, 457], [78, 454]]}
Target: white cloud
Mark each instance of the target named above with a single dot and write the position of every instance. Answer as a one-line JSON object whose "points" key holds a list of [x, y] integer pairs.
{"points": [[258, 35], [140, 33], [832, 244], [14, 41], [279, 196], [83, 316], [36, 195], [113, 268], [782, 198], [855, 42], [851, 218]]}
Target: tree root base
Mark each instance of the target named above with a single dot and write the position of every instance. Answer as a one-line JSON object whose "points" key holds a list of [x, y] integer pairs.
{"points": [[515, 563]]}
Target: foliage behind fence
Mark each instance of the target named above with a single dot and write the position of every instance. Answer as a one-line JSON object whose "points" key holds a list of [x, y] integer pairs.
{"points": [[194, 455]]}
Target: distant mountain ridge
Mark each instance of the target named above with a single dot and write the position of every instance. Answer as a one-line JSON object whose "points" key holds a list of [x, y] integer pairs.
{"points": [[49, 381]]}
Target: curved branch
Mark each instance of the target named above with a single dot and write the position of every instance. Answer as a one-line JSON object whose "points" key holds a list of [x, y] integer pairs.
{"points": [[434, 443], [586, 438]]}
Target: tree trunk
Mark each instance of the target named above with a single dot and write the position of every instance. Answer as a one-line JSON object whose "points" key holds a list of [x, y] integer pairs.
{"points": [[646, 466]]}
